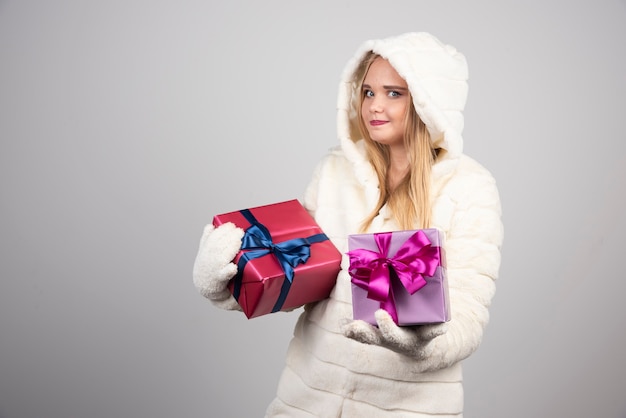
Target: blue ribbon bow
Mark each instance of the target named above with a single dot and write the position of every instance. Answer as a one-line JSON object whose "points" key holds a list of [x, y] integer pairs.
{"points": [[289, 254]]}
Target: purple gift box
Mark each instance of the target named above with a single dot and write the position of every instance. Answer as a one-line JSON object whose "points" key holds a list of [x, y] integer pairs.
{"points": [[402, 272]]}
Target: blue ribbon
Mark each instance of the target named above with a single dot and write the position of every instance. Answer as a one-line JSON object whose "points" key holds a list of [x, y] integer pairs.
{"points": [[289, 254]]}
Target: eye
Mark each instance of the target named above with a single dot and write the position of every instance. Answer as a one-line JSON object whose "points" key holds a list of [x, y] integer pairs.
{"points": [[368, 93], [394, 93]]}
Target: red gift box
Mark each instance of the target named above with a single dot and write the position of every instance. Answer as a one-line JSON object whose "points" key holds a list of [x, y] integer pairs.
{"points": [[402, 272], [286, 260]]}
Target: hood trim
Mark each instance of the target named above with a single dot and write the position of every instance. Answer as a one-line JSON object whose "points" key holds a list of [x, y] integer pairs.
{"points": [[436, 74]]}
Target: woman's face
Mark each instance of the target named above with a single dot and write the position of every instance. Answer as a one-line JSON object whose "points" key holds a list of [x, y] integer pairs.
{"points": [[386, 100]]}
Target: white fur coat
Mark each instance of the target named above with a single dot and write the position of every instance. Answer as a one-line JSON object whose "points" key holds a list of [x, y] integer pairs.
{"points": [[329, 375]]}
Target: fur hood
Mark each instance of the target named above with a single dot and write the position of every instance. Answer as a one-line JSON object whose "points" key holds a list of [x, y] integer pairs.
{"points": [[436, 75]]}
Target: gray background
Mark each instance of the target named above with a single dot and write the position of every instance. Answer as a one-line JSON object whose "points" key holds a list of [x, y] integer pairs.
{"points": [[126, 125]]}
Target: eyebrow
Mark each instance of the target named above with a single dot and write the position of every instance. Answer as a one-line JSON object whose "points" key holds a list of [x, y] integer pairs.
{"points": [[367, 86]]}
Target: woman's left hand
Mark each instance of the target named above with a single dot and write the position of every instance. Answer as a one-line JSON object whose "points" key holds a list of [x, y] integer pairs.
{"points": [[412, 341]]}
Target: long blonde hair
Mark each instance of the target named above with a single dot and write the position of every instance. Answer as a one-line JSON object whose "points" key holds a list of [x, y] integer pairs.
{"points": [[409, 201]]}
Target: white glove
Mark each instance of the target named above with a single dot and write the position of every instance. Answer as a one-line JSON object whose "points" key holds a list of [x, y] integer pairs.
{"points": [[413, 341], [213, 267]]}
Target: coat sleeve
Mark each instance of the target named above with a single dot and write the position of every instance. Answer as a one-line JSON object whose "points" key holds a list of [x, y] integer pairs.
{"points": [[473, 244]]}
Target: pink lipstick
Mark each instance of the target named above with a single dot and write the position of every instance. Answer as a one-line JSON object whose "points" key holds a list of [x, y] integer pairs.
{"points": [[377, 122]]}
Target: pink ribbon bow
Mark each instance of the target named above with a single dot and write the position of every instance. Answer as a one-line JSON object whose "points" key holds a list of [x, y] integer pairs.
{"points": [[373, 271]]}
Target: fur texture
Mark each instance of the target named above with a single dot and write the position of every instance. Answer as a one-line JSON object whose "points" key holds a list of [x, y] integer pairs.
{"points": [[338, 367], [213, 267], [410, 341]]}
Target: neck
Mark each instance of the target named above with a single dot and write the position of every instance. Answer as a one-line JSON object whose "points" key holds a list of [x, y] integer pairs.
{"points": [[398, 166]]}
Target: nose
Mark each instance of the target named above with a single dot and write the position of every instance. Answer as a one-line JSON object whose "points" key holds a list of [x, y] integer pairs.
{"points": [[375, 105]]}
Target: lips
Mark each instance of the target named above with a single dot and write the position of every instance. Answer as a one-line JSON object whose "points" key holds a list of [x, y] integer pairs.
{"points": [[378, 122]]}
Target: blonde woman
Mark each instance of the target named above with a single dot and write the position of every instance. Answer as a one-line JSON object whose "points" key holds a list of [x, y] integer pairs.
{"points": [[399, 165]]}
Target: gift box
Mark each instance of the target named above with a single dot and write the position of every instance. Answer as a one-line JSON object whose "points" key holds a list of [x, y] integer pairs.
{"points": [[285, 260], [402, 272]]}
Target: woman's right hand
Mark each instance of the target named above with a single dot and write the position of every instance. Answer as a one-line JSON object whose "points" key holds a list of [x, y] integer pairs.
{"points": [[214, 267]]}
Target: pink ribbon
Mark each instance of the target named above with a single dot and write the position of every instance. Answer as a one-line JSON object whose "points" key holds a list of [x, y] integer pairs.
{"points": [[373, 271]]}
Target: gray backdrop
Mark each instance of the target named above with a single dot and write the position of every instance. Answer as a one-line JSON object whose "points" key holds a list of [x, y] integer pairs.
{"points": [[126, 125]]}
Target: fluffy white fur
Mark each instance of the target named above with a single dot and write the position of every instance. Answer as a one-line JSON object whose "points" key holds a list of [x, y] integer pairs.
{"points": [[410, 341], [338, 367], [213, 267]]}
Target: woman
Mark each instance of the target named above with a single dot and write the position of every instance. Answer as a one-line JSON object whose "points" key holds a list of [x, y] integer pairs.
{"points": [[399, 166]]}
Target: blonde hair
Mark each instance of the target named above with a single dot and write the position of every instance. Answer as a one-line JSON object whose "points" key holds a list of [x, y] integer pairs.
{"points": [[409, 201]]}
